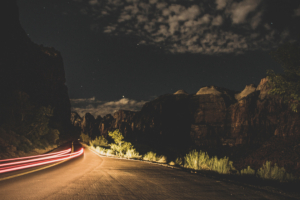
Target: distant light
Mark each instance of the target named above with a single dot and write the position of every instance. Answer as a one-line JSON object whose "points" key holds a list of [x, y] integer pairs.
{"points": [[123, 96], [271, 22]]}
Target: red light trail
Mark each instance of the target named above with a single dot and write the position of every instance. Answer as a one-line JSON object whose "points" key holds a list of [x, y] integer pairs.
{"points": [[46, 159]]}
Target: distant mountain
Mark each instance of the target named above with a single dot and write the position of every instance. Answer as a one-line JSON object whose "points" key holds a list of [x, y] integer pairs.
{"points": [[241, 125]]}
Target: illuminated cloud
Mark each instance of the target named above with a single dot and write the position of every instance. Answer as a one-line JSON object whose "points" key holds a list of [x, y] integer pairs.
{"points": [[214, 27], [297, 12], [102, 108], [221, 4], [239, 11]]}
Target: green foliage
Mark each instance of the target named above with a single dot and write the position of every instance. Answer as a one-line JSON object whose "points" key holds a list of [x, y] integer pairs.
{"points": [[99, 141], [85, 138], [178, 161], [172, 163], [100, 150], [274, 172], [116, 136], [28, 127], [201, 161], [287, 85], [196, 160], [120, 147], [248, 171], [162, 159], [132, 153], [151, 156]]}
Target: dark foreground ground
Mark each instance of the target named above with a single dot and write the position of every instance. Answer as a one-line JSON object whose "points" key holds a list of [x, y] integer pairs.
{"points": [[94, 177]]}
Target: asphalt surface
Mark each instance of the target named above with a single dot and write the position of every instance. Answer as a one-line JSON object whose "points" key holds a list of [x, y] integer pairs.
{"points": [[93, 177]]}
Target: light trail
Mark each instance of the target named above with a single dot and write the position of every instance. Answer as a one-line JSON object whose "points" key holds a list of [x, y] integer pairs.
{"points": [[29, 157], [37, 159], [39, 163]]}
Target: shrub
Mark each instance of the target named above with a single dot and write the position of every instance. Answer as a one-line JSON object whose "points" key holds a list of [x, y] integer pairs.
{"points": [[162, 159], [275, 172], [196, 160], [100, 150], [178, 161], [201, 161], [99, 141], [132, 153], [172, 163], [151, 156], [120, 146], [222, 165], [110, 152], [248, 171], [84, 138]]}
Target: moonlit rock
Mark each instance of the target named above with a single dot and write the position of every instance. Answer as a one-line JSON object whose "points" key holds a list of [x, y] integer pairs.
{"points": [[248, 90], [181, 92], [209, 90]]}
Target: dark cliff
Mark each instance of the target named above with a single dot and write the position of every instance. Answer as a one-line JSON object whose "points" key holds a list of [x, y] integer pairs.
{"points": [[32, 82]]}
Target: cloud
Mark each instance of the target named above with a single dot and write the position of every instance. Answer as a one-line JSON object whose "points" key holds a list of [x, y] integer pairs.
{"points": [[256, 20], [217, 21], [221, 4], [297, 12], [102, 108], [93, 2], [221, 26], [239, 11]]}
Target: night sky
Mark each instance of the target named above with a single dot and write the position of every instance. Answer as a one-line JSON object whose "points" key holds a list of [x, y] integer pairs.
{"points": [[122, 53]]}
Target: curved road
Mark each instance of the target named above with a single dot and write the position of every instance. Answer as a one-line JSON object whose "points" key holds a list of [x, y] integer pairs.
{"points": [[93, 177]]}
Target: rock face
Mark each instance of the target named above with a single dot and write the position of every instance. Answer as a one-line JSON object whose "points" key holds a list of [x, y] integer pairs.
{"points": [[213, 116], [35, 70], [181, 92], [32, 77], [216, 118]]}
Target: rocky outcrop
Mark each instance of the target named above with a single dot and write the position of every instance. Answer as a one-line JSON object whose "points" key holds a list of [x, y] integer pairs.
{"points": [[235, 124], [76, 120], [32, 79], [181, 92], [214, 116], [248, 90]]}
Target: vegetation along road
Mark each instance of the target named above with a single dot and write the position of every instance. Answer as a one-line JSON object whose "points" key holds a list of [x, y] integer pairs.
{"points": [[93, 177]]}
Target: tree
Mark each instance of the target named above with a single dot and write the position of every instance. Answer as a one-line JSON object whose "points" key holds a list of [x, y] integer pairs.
{"points": [[120, 146], [287, 85]]}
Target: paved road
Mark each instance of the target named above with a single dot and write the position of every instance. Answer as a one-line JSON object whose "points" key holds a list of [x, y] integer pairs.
{"points": [[94, 177]]}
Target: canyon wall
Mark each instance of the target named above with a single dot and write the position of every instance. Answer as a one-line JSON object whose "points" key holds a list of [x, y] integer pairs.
{"points": [[32, 86]]}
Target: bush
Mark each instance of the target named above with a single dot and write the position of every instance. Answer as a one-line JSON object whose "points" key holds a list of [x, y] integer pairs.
{"points": [[172, 163], [201, 161], [196, 160], [99, 141], [275, 172], [151, 156], [120, 147], [248, 171], [110, 152], [84, 138], [222, 165], [132, 153], [162, 159], [178, 161]]}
